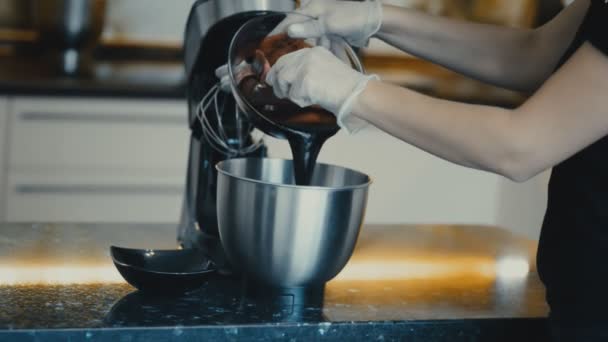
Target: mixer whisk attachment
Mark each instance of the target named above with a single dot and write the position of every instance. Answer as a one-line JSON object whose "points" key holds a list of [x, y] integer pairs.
{"points": [[215, 135]]}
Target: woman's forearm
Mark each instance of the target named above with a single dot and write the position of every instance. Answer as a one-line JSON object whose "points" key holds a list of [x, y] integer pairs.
{"points": [[468, 135], [556, 122], [520, 59]]}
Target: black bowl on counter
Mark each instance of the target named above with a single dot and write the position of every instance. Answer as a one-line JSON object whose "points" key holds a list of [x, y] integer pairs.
{"points": [[162, 271]]}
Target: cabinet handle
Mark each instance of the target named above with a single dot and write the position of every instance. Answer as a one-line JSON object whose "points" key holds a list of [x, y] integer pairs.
{"points": [[81, 189], [147, 119]]}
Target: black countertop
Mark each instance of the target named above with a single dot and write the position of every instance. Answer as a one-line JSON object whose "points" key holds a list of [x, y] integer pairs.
{"points": [[423, 283], [115, 72]]}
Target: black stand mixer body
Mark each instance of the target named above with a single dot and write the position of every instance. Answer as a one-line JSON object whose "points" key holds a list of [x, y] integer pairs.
{"points": [[209, 31]]}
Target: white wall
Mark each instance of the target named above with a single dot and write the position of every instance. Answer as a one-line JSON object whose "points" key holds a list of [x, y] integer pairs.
{"points": [[521, 207], [4, 113], [414, 187]]}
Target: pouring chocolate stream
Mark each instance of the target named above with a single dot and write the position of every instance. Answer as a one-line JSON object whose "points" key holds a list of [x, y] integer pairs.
{"points": [[306, 128]]}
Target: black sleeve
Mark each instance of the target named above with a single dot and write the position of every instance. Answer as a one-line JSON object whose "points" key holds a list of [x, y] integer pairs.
{"points": [[597, 25]]}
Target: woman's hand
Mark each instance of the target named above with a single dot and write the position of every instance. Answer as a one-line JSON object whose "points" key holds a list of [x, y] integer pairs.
{"points": [[223, 75], [240, 71], [316, 77], [355, 21]]}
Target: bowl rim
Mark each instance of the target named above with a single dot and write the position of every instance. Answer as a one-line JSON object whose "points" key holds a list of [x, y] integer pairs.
{"points": [[294, 186], [117, 262]]}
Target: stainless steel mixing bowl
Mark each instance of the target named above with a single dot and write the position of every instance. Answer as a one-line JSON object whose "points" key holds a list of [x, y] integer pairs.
{"points": [[284, 235]]}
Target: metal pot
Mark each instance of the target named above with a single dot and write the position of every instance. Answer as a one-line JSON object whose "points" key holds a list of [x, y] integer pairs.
{"points": [[284, 235], [69, 24], [69, 27], [15, 14]]}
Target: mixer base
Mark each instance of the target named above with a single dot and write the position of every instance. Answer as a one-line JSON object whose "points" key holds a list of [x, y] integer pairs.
{"points": [[285, 296]]}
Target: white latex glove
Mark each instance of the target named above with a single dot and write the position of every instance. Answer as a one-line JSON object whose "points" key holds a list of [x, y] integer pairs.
{"points": [[224, 77], [316, 77], [240, 71], [355, 21]]}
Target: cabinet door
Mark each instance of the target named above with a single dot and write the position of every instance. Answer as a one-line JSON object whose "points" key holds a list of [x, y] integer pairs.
{"points": [[96, 160], [76, 196], [3, 152], [94, 133]]}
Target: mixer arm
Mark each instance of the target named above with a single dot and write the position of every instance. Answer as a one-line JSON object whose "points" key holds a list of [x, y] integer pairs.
{"points": [[206, 43]]}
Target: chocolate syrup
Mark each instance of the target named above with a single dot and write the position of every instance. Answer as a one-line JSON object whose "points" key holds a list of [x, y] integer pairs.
{"points": [[305, 151], [306, 129]]}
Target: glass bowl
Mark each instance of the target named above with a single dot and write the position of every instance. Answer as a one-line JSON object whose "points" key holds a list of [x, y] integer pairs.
{"points": [[273, 116]]}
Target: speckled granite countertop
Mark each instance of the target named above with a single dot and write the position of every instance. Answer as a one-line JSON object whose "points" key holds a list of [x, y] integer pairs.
{"points": [[420, 283]]}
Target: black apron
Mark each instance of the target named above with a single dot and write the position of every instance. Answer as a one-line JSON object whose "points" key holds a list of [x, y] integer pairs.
{"points": [[573, 249]]}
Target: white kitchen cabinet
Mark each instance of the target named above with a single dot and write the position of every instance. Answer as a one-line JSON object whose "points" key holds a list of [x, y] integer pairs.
{"points": [[4, 113], [96, 160], [93, 196], [86, 133]]}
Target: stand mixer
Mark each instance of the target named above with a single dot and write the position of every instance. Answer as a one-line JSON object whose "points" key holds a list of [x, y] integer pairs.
{"points": [[251, 218], [274, 240], [209, 31]]}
